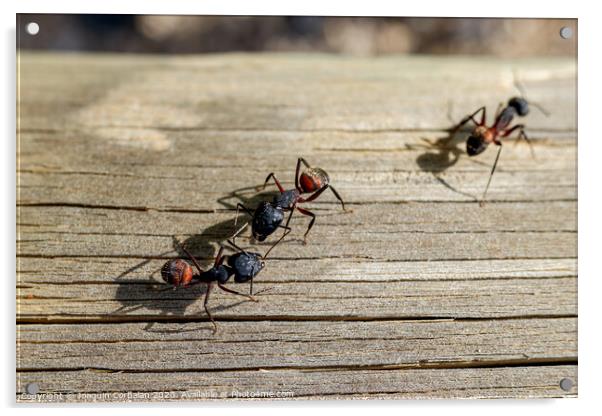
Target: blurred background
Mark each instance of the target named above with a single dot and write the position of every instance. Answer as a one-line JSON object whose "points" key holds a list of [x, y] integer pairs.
{"points": [[363, 36]]}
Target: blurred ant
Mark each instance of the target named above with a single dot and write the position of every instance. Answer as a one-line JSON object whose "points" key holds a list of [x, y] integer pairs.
{"points": [[269, 216], [243, 265], [483, 135]]}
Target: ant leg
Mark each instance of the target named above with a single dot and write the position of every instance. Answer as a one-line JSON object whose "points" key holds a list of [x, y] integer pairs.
{"points": [[271, 175], [470, 118], [292, 209], [499, 109], [298, 170], [311, 223], [307, 165], [234, 292], [492, 171], [240, 230], [521, 135], [286, 232], [336, 194], [219, 259], [196, 263], [314, 195], [232, 244], [248, 211], [209, 286]]}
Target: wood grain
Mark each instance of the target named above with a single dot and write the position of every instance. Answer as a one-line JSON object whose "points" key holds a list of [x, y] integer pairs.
{"points": [[504, 382], [416, 293]]}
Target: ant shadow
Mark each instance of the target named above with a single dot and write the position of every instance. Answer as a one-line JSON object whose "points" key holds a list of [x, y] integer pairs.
{"points": [[153, 295], [442, 154]]}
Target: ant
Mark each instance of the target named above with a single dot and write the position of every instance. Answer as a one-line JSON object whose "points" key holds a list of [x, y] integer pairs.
{"points": [[243, 265], [269, 216], [483, 135]]}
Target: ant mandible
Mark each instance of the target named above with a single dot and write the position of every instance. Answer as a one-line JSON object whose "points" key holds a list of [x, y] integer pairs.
{"points": [[483, 135], [243, 265]]}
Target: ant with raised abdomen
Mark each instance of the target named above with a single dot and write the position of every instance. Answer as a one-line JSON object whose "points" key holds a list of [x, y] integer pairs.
{"points": [[243, 265], [314, 180], [483, 135], [268, 216]]}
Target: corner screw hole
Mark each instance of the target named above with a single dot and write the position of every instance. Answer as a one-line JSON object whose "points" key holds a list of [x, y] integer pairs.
{"points": [[32, 388], [566, 384], [32, 28], [566, 32]]}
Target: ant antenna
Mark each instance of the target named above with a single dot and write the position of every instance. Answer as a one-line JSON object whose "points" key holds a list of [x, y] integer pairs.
{"points": [[540, 108], [521, 89]]}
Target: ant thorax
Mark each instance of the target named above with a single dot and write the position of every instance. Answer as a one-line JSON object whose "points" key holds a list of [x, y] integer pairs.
{"points": [[484, 133], [313, 179], [286, 199]]}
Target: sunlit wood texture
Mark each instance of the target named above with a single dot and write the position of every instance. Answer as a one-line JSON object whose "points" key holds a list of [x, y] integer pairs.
{"points": [[417, 293]]}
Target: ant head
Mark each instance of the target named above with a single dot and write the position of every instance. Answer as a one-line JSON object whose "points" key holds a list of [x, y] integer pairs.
{"points": [[177, 272], [313, 179], [520, 105], [475, 145], [245, 266]]}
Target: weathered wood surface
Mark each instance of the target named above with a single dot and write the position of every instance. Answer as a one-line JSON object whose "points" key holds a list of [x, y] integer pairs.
{"points": [[417, 293]]}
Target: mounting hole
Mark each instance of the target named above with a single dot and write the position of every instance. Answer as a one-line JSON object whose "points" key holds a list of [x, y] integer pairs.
{"points": [[32, 28], [566, 32], [32, 388], [566, 384]]}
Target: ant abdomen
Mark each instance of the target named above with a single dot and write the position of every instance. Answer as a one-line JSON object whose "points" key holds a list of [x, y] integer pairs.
{"points": [[313, 179], [520, 105], [177, 272]]}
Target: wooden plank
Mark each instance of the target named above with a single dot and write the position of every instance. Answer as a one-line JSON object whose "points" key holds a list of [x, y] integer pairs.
{"points": [[401, 232], [300, 300], [418, 293], [285, 92], [118, 270], [277, 344], [505, 382], [364, 169]]}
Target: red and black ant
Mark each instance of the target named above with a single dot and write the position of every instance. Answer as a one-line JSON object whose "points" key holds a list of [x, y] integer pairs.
{"points": [[243, 265], [483, 135], [314, 180], [269, 216]]}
